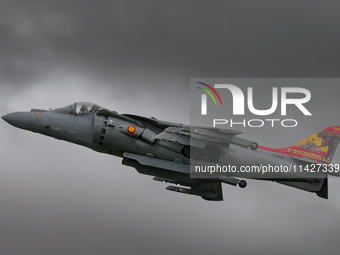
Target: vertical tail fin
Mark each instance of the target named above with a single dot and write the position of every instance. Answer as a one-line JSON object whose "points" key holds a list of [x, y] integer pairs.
{"points": [[320, 147]]}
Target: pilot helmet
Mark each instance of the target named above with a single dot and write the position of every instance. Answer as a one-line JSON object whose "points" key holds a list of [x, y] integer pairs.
{"points": [[83, 108]]}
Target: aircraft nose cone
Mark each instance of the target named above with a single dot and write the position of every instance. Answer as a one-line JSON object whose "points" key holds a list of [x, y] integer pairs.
{"points": [[18, 119]]}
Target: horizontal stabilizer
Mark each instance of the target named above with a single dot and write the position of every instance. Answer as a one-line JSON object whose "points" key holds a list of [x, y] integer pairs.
{"points": [[323, 192], [318, 185]]}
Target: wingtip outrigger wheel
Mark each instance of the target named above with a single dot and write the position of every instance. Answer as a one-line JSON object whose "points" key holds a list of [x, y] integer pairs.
{"points": [[253, 145], [242, 184]]}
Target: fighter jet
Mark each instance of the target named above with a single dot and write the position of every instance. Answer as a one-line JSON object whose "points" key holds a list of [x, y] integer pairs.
{"points": [[172, 152]]}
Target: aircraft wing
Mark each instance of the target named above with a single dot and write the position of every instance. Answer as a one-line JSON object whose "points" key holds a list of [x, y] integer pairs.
{"points": [[158, 163], [180, 138], [176, 173]]}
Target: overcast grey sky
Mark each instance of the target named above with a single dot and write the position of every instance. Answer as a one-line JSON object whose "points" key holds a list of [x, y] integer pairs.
{"points": [[138, 57]]}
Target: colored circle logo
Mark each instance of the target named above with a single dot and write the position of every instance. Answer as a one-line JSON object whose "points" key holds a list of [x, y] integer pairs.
{"points": [[112, 121], [131, 129]]}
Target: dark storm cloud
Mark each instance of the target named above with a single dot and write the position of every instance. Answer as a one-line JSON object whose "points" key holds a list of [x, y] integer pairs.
{"points": [[139, 56], [123, 38]]}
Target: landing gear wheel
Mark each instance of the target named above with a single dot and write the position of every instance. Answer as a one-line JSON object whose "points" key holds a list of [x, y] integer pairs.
{"points": [[242, 184], [186, 151], [253, 145]]}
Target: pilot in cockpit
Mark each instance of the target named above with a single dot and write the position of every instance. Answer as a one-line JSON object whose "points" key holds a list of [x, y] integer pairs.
{"points": [[83, 109], [79, 108]]}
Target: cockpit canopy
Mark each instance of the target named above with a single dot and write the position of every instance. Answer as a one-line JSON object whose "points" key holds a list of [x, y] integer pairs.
{"points": [[79, 108]]}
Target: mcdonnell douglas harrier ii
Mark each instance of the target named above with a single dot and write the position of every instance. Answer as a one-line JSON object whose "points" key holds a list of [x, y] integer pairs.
{"points": [[170, 151]]}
